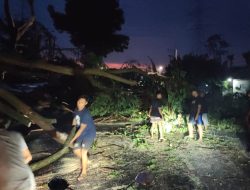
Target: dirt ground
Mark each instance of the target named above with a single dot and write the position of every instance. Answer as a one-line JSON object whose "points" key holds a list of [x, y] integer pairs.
{"points": [[176, 163]]}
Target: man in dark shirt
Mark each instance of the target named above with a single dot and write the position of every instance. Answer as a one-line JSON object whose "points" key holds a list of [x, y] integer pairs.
{"points": [[85, 135], [204, 110], [156, 116], [195, 115]]}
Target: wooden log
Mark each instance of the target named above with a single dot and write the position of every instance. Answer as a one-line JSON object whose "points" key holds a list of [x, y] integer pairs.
{"points": [[40, 155], [42, 122], [35, 118], [119, 124], [47, 161], [7, 110]]}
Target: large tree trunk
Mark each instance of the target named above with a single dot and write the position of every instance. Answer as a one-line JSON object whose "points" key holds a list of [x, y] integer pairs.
{"points": [[44, 123], [27, 112], [43, 65], [7, 110]]}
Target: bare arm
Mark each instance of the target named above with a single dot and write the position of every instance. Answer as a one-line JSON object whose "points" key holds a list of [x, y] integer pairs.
{"points": [[198, 112], [149, 113], [27, 155], [79, 132]]}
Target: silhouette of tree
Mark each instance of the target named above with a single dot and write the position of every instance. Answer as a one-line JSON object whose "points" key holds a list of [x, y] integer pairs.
{"points": [[246, 56], [197, 68], [12, 31], [217, 47], [92, 25]]}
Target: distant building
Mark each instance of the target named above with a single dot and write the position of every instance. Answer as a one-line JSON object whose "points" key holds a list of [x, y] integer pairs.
{"points": [[240, 86], [240, 79]]}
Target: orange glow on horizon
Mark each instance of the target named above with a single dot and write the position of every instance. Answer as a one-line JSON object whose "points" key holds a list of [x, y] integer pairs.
{"points": [[117, 65], [113, 65]]}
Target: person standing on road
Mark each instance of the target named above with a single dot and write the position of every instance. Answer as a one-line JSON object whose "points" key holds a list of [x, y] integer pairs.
{"points": [[156, 118], [195, 117], [85, 135]]}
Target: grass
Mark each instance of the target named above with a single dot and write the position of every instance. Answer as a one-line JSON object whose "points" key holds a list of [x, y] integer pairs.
{"points": [[115, 174]]}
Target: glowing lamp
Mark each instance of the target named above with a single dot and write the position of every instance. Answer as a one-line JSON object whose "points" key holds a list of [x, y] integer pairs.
{"points": [[230, 79]]}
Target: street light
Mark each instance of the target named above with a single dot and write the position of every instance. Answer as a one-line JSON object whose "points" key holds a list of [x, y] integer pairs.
{"points": [[160, 68], [229, 79]]}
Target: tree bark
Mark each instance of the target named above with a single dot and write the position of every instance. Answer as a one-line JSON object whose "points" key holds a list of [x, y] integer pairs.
{"points": [[43, 163]]}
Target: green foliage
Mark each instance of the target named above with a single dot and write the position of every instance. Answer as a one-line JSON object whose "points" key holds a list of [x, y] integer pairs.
{"points": [[115, 174], [117, 104], [152, 164], [222, 107], [138, 137], [225, 125], [177, 88]]}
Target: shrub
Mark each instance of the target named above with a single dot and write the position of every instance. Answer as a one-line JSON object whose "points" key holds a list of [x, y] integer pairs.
{"points": [[117, 104]]}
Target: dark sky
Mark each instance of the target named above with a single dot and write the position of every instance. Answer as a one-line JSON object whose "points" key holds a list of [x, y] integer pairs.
{"points": [[157, 27]]}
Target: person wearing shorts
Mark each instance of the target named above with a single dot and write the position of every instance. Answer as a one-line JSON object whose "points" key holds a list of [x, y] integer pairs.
{"points": [[156, 118], [85, 135], [195, 117], [204, 110]]}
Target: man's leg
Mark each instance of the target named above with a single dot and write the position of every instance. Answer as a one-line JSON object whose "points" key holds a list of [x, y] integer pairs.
{"points": [[152, 130], [84, 162], [191, 123], [200, 131], [205, 120], [191, 130], [160, 125], [78, 152]]}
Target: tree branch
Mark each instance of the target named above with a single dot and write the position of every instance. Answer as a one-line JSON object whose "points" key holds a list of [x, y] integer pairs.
{"points": [[26, 110], [7, 110], [40, 164], [21, 30], [130, 70], [8, 16], [43, 65], [96, 84]]}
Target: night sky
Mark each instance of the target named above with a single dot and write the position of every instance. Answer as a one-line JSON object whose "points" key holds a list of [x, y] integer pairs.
{"points": [[157, 27]]}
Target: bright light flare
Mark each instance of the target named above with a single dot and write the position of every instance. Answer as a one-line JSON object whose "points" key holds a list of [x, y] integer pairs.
{"points": [[229, 79], [160, 68]]}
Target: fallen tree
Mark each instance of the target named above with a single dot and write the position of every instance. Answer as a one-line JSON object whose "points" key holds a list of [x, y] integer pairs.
{"points": [[45, 162], [15, 108], [43, 65], [24, 114]]}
